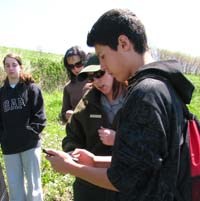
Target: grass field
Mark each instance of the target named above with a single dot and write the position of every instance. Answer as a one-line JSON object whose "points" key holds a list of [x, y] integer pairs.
{"points": [[195, 103], [58, 187], [50, 74]]}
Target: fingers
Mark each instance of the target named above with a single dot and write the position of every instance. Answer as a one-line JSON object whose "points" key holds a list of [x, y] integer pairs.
{"points": [[75, 156], [49, 152], [103, 138], [68, 113], [77, 151], [55, 154]]}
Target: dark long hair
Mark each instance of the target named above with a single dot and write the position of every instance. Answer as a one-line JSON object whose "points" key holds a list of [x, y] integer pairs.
{"points": [[73, 51], [117, 88], [24, 77]]}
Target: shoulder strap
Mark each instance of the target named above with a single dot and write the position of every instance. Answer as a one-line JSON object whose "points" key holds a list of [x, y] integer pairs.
{"points": [[161, 76]]}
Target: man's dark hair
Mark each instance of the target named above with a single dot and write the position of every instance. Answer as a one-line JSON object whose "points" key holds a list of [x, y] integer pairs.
{"points": [[114, 23]]}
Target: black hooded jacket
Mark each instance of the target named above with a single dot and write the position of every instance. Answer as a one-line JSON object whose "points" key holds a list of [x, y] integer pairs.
{"points": [[147, 162], [22, 117]]}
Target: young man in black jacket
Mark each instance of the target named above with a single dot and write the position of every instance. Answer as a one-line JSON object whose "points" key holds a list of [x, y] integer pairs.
{"points": [[145, 162]]}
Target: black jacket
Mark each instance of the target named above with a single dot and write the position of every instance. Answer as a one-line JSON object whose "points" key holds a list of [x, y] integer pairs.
{"points": [[147, 161], [22, 117], [82, 127], [82, 132]]}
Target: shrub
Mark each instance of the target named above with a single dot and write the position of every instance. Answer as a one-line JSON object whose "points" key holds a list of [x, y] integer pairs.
{"points": [[49, 74]]}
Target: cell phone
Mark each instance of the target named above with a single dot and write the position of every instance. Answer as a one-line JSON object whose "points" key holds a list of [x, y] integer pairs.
{"points": [[74, 159], [46, 152]]}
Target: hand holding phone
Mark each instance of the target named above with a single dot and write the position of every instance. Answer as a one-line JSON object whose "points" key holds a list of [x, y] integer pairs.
{"points": [[49, 154], [46, 152], [73, 158]]}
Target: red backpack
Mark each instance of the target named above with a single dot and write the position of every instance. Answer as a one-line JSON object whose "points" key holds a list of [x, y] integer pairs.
{"points": [[192, 136], [189, 157]]}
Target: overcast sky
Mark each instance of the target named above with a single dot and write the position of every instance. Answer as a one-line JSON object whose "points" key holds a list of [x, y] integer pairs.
{"points": [[56, 25]]}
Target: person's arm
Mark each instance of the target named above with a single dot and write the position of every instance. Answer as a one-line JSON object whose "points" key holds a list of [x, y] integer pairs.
{"points": [[63, 163], [1, 127], [1, 110], [102, 161], [75, 133], [87, 158], [96, 176], [38, 117], [66, 105]]}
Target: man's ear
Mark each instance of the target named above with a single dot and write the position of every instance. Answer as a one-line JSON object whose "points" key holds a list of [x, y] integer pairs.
{"points": [[124, 43]]}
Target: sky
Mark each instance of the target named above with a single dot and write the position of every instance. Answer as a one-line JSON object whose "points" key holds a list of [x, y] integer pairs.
{"points": [[56, 25]]}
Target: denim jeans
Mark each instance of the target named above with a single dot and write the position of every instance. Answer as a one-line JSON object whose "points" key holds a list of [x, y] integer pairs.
{"points": [[23, 169]]}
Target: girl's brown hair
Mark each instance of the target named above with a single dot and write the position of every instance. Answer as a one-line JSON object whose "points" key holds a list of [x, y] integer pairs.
{"points": [[24, 77], [117, 88]]}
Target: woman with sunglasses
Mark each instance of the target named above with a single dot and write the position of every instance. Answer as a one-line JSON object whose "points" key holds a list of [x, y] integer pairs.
{"points": [[97, 110], [74, 62]]}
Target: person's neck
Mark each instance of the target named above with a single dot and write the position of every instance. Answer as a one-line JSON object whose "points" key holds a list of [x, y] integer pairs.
{"points": [[146, 58], [109, 97], [13, 81], [143, 59]]}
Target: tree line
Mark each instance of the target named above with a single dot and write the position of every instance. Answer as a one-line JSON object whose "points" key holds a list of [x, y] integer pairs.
{"points": [[49, 72]]}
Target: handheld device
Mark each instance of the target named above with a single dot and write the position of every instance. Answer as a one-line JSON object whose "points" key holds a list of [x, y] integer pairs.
{"points": [[46, 152]]}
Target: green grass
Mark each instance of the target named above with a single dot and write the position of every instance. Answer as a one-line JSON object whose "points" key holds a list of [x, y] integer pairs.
{"points": [[49, 73], [58, 187], [195, 103], [54, 133], [28, 55]]}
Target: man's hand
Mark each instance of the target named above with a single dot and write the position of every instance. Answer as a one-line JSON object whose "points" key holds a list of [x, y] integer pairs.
{"points": [[60, 161], [84, 157]]}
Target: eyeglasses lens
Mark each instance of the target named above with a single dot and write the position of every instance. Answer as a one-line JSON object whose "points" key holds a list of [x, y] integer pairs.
{"points": [[97, 75], [77, 65]]}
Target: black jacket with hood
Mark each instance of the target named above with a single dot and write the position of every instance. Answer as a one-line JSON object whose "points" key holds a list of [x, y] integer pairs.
{"points": [[148, 161], [22, 117]]}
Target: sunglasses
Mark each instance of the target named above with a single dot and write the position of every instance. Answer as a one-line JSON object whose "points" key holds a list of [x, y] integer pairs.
{"points": [[97, 75], [77, 65]]}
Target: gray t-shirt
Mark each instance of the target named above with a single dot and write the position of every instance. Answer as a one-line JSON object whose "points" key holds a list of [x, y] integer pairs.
{"points": [[111, 108]]}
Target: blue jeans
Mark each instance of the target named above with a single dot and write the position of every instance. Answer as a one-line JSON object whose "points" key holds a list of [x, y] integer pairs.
{"points": [[20, 166]]}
